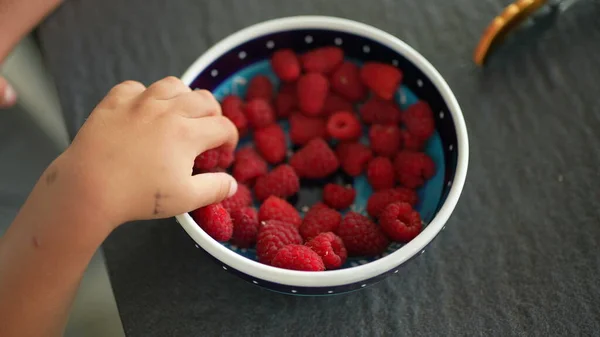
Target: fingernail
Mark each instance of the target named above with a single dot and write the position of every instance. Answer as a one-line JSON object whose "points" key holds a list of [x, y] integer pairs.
{"points": [[232, 188], [9, 95]]}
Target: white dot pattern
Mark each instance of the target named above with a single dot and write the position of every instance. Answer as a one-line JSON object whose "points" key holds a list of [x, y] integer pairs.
{"points": [[270, 44], [338, 41], [366, 49], [242, 55], [308, 39], [214, 73]]}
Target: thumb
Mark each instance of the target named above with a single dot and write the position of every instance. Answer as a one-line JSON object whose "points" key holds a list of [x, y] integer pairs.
{"points": [[8, 96], [210, 188]]}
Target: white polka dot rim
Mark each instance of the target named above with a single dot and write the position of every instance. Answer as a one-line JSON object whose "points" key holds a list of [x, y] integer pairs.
{"points": [[242, 55], [214, 73], [270, 44], [308, 39], [338, 41]]}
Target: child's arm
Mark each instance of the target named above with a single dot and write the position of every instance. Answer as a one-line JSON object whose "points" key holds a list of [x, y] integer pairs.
{"points": [[17, 19], [131, 160]]}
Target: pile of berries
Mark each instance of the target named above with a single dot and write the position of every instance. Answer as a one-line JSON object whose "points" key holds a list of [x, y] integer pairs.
{"points": [[327, 101]]}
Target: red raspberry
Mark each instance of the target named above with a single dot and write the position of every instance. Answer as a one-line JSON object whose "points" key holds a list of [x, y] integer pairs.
{"points": [[215, 221], [312, 91], [344, 125], [345, 80], [260, 87], [383, 79], [322, 60], [207, 160], [385, 139], [245, 227], [380, 199], [275, 208], [272, 236], [281, 182], [400, 222], [225, 158], [338, 197], [378, 111], [315, 160], [304, 129], [233, 108], [241, 198], [248, 166], [298, 257], [285, 104], [419, 120], [259, 113], [330, 248], [411, 143], [413, 168], [285, 65], [361, 236], [353, 157], [319, 219], [334, 103], [270, 143], [380, 173]]}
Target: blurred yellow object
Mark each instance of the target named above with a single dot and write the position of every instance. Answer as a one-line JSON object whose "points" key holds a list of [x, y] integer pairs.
{"points": [[512, 16]]}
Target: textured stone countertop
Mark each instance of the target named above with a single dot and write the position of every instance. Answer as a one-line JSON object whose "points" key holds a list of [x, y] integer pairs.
{"points": [[519, 257]]}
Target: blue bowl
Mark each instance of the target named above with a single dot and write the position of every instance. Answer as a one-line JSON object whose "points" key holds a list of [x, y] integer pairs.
{"points": [[226, 69]]}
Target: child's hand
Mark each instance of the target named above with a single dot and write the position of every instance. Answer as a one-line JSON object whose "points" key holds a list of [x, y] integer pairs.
{"points": [[134, 155]]}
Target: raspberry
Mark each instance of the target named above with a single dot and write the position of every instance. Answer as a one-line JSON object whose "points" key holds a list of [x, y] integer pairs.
{"points": [[411, 143], [285, 104], [260, 87], [361, 236], [312, 91], [245, 227], [272, 236], [303, 129], [419, 121], [241, 198], [215, 221], [275, 208], [233, 109], [248, 166], [345, 80], [259, 113], [378, 111], [344, 125], [225, 158], [338, 197], [281, 182], [315, 160], [270, 143], [298, 257], [330, 248], [380, 199], [322, 60], [285, 65], [353, 157], [207, 160], [413, 168], [385, 139], [334, 103], [380, 173], [382, 79], [319, 219], [400, 222]]}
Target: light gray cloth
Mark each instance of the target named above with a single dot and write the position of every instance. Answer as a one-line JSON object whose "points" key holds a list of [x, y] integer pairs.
{"points": [[520, 255]]}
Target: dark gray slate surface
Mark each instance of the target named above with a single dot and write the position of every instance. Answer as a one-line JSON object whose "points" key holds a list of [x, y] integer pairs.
{"points": [[520, 256]]}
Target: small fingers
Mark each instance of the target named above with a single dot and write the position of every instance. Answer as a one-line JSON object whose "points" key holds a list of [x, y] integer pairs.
{"points": [[167, 88], [195, 104], [212, 132], [8, 96], [122, 92], [210, 188]]}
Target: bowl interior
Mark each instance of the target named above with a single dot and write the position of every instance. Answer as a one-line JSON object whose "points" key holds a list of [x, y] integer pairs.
{"points": [[230, 74]]}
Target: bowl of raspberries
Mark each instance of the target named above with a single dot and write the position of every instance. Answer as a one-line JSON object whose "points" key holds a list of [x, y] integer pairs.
{"points": [[353, 153]]}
